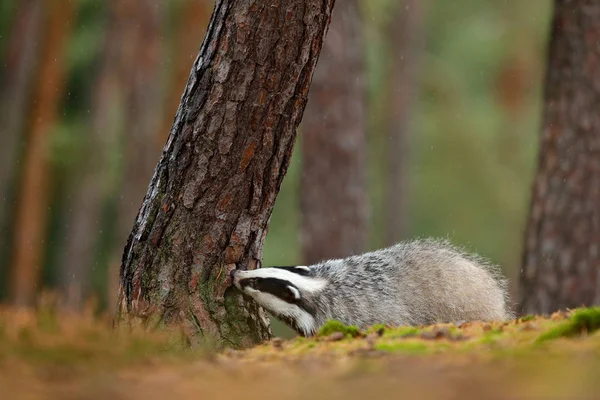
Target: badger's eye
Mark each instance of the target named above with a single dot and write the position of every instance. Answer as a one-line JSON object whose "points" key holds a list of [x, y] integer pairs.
{"points": [[252, 282]]}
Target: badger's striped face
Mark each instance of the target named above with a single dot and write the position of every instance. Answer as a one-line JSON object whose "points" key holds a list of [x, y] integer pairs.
{"points": [[284, 291]]}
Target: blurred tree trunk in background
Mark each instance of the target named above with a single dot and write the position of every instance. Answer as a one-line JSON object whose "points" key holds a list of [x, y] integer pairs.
{"points": [[561, 262], [334, 198], [126, 111], [194, 18], [88, 188], [19, 63], [405, 42], [142, 73], [214, 188], [32, 207]]}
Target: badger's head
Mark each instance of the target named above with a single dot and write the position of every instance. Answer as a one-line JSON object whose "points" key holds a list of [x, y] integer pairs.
{"points": [[287, 292]]}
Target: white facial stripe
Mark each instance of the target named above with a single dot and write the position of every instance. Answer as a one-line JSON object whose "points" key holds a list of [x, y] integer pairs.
{"points": [[304, 283], [303, 319], [303, 267], [295, 292]]}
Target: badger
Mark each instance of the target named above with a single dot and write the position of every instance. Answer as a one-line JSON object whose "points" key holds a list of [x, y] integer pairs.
{"points": [[419, 282]]}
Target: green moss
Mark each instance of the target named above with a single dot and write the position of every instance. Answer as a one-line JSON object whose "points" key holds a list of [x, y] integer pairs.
{"points": [[583, 320], [237, 329], [299, 345], [526, 318], [195, 321], [301, 340], [378, 328], [397, 332], [454, 330], [402, 347], [402, 332], [333, 326], [491, 337]]}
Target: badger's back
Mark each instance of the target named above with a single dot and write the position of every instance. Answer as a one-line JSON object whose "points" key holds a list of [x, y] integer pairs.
{"points": [[417, 282], [441, 283]]}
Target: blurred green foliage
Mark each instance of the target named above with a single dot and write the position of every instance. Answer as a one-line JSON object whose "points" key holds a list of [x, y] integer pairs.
{"points": [[473, 136], [471, 159]]}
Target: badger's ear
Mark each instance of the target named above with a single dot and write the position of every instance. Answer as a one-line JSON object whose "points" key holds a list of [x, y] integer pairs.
{"points": [[301, 270], [296, 269], [293, 293]]}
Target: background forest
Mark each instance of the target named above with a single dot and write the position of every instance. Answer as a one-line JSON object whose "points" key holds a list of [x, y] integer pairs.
{"points": [[90, 88]]}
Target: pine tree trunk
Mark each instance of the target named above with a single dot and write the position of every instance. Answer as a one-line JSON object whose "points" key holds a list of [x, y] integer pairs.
{"points": [[405, 41], [214, 188], [32, 208], [334, 198], [561, 262], [18, 69]]}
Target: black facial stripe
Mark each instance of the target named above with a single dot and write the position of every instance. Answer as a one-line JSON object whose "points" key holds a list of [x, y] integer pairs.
{"points": [[294, 269], [245, 282], [276, 287]]}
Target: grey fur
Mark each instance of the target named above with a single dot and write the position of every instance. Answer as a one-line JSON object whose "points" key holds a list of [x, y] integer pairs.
{"points": [[419, 282]]}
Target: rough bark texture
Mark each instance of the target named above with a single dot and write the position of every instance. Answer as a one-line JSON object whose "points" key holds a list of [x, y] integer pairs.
{"points": [[31, 218], [334, 199], [214, 188], [17, 73], [128, 80], [405, 43], [561, 263]]}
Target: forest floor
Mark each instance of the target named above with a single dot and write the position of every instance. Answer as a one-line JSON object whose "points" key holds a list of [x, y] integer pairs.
{"points": [[44, 355]]}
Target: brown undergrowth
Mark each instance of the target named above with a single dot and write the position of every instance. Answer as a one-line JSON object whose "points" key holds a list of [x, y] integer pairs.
{"points": [[47, 355]]}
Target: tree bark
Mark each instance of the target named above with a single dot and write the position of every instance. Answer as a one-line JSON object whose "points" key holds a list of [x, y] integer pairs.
{"points": [[405, 41], [214, 188], [16, 83], [32, 212], [334, 199], [561, 261]]}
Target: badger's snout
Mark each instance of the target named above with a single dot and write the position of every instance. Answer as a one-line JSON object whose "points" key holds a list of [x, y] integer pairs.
{"points": [[235, 277]]}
